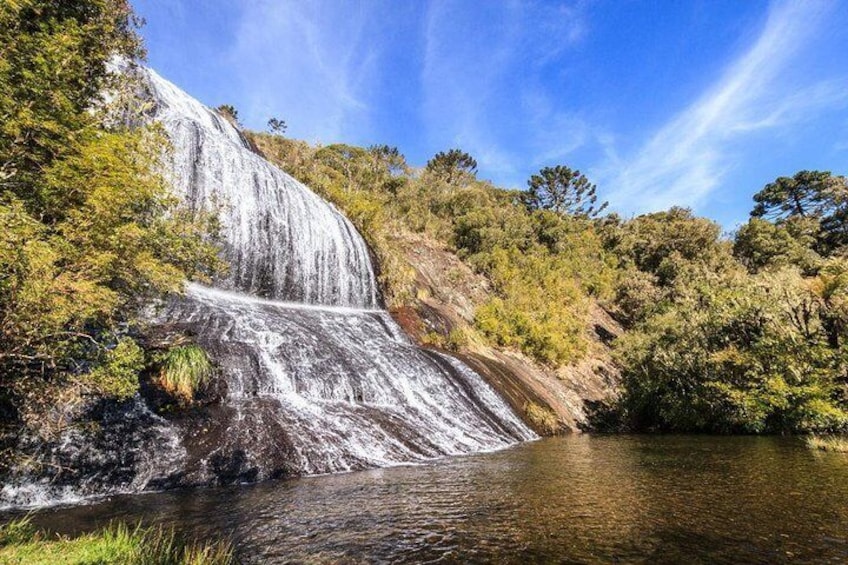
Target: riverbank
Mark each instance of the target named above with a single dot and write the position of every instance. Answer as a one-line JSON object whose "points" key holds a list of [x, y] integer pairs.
{"points": [[21, 542]]}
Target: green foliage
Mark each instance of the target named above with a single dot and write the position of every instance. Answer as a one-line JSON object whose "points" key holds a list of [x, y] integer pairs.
{"points": [[564, 191], [52, 68], [543, 419], [117, 239], [17, 531], [455, 341], [89, 231], [815, 195], [659, 243], [117, 375], [183, 371], [761, 244], [21, 543], [539, 307], [724, 356], [714, 348], [452, 166]]}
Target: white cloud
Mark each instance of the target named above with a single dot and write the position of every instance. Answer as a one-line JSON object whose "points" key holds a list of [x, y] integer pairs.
{"points": [[687, 158]]}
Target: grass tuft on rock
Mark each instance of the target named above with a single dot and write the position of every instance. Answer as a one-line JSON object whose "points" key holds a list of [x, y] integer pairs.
{"points": [[544, 420], [183, 370]]}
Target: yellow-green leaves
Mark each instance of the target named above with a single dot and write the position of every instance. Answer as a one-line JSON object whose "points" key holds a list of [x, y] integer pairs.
{"points": [[117, 375]]}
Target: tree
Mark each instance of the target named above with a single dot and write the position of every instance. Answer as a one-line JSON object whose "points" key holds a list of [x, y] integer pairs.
{"points": [[564, 191], [53, 65], [728, 355], [659, 242], [760, 245], [810, 195], [389, 158], [452, 166], [277, 126], [89, 231], [229, 112]]}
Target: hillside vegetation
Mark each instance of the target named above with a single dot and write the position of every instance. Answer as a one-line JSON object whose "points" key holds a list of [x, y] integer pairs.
{"points": [[745, 334]]}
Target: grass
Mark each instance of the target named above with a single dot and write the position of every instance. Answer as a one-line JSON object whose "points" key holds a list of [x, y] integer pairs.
{"points": [[837, 444], [184, 369], [21, 543]]}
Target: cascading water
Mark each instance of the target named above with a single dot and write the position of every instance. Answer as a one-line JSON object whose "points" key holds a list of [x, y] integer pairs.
{"points": [[314, 377], [283, 240]]}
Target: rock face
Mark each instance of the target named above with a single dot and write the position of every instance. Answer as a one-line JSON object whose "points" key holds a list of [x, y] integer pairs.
{"points": [[448, 292], [338, 388], [312, 377]]}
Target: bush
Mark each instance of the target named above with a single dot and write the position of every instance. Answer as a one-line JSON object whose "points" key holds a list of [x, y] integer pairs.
{"points": [[89, 230]]}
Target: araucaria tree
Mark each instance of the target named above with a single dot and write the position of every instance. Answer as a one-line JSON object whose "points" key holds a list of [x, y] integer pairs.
{"points": [[564, 191], [229, 112], [452, 166], [277, 126], [813, 201]]}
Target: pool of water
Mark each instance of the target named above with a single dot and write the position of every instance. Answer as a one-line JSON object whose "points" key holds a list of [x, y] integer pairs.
{"points": [[575, 499]]}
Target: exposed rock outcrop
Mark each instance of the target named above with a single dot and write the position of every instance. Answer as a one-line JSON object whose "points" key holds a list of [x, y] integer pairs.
{"points": [[550, 400]]}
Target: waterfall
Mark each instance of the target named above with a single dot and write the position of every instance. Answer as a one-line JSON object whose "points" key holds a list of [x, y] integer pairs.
{"points": [[283, 241], [314, 376], [339, 388]]}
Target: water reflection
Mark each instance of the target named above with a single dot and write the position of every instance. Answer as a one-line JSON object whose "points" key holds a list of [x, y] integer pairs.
{"points": [[575, 500]]}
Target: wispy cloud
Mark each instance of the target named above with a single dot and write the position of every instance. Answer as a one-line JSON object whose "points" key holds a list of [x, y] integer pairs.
{"points": [[306, 60], [471, 97], [687, 158]]}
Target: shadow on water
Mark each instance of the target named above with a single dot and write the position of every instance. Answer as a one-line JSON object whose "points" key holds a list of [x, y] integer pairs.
{"points": [[577, 499]]}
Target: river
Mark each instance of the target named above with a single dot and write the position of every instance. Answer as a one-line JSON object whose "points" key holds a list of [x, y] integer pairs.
{"points": [[574, 499]]}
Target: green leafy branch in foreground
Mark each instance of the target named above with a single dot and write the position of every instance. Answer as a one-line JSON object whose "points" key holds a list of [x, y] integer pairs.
{"points": [[89, 230]]}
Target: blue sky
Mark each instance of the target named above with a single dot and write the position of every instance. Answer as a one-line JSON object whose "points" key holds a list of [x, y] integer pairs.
{"points": [[696, 103]]}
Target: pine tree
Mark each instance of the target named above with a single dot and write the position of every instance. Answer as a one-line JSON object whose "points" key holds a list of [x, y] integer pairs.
{"points": [[564, 191], [452, 166]]}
